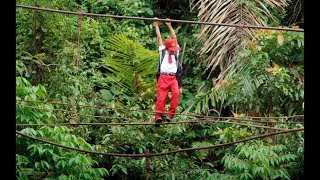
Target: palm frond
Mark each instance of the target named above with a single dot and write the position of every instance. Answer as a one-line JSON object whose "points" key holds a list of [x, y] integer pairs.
{"points": [[130, 62], [221, 41]]}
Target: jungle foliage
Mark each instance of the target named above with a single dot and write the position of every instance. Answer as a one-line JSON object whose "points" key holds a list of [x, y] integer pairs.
{"points": [[102, 70]]}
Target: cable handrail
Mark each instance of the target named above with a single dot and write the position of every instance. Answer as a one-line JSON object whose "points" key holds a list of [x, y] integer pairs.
{"points": [[159, 19], [148, 124], [158, 154], [242, 118]]}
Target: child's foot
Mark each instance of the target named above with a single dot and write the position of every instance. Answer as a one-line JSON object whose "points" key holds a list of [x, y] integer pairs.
{"points": [[166, 118], [158, 122]]}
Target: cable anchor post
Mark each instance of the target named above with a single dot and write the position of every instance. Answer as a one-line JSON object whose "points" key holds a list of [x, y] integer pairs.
{"points": [[147, 164]]}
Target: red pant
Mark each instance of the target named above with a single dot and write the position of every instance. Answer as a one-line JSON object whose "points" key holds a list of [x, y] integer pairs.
{"points": [[167, 83]]}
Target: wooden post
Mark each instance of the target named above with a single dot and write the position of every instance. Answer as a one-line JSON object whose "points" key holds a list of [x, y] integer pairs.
{"points": [[147, 164]]}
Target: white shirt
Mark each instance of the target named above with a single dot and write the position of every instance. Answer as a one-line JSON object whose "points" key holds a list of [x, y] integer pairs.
{"points": [[167, 67]]}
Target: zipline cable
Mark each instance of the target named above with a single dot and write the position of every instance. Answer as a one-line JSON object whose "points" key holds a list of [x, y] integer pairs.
{"points": [[159, 19]]}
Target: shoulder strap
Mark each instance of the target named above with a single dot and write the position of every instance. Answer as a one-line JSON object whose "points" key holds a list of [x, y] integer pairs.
{"points": [[179, 71], [177, 60], [162, 53]]}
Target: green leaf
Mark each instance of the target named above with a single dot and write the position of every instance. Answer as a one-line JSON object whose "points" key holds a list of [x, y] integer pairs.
{"points": [[45, 165], [41, 133], [103, 171], [55, 157], [37, 165], [40, 150], [149, 11], [62, 163], [77, 160], [71, 161]]}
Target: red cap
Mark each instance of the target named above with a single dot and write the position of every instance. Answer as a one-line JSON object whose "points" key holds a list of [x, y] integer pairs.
{"points": [[171, 44]]}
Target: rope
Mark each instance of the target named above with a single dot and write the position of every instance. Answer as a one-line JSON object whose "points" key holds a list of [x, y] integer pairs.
{"points": [[204, 117], [158, 154], [213, 122], [152, 19], [153, 112]]}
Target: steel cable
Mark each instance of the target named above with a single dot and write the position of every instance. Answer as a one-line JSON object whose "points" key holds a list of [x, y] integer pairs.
{"points": [[159, 19], [158, 154]]}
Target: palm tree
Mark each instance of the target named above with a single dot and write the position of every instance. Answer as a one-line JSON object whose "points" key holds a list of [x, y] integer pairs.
{"points": [[220, 41]]}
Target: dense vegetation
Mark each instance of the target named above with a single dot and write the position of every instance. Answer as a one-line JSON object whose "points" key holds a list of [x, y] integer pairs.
{"points": [[111, 63]]}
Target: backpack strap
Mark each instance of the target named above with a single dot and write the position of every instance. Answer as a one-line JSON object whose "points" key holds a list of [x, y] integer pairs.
{"points": [[179, 71], [162, 53]]}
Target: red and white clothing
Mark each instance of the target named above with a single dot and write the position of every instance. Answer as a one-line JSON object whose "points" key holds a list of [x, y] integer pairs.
{"points": [[167, 82], [167, 67]]}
